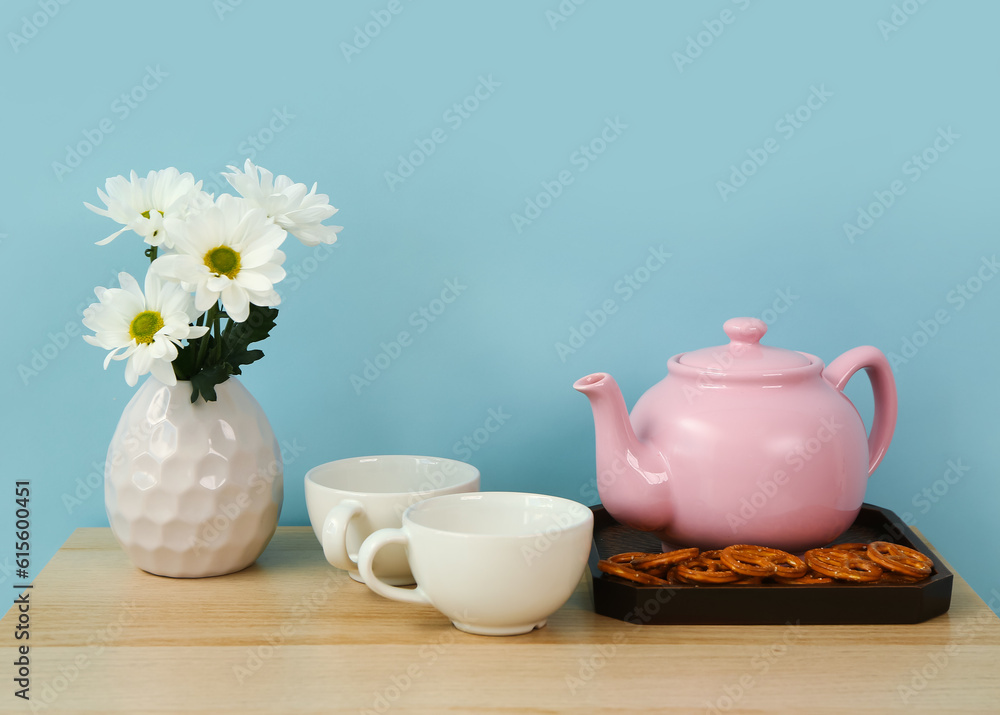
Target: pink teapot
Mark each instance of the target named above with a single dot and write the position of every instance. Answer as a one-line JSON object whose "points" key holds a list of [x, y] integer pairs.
{"points": [[742, 444]]}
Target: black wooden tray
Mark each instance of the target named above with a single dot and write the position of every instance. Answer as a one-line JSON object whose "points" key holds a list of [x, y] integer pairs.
{"points": [[769, 603]]}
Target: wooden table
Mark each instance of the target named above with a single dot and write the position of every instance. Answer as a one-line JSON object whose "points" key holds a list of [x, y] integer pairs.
{"points": [[293, 635]]}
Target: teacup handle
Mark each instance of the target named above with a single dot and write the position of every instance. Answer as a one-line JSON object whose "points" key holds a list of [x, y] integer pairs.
{"points": [[366, 557], [335, 533]]}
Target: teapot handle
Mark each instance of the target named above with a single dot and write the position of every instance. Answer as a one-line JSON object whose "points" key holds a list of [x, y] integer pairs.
{"points": [[839, 371]]}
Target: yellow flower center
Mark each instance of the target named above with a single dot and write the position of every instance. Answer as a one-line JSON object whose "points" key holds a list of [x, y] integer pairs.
{"points": [[145, 325], [145, 214], [223, 261]]}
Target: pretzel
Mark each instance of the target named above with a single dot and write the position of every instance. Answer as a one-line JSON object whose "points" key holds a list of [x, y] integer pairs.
{"points": [[747, 564], [672, 577], [809, 579], [705, 570], [843, 565], [628, 557], [901, 559], [749, 560], [654, 562], [630, 574], [714, 558]]}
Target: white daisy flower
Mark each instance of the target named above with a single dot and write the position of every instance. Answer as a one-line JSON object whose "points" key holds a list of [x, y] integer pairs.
{"points": [[298, 210], [147, 327], [142, 203], [228, 251]]}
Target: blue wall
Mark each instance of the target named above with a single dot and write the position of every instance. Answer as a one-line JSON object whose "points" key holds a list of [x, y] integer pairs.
{"points": [[634, 118]]}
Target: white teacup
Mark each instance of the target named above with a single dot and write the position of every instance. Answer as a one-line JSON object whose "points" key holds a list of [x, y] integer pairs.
{"points": [[349, 499], [495, 563]]}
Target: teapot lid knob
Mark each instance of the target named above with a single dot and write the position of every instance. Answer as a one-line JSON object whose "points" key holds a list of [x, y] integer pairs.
{"points": [[745, 331], [744, 354]]}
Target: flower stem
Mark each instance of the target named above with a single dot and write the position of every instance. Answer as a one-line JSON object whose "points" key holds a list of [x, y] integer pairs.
{"points": [[229, 327], [151, 252], [211, 318], [217, 326]]}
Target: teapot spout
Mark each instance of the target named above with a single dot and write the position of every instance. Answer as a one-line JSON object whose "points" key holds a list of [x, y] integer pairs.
{"points": [[627, 468]]}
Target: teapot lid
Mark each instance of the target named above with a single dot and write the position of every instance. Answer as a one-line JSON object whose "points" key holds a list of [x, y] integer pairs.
{"points": [[744, 353]]}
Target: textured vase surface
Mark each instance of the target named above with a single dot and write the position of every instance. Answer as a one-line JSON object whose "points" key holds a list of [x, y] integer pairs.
{"points": [[193, 490]]}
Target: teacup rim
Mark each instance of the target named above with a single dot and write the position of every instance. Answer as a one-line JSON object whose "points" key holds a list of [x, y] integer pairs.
{"points": [[474, 474], [586, 520]]}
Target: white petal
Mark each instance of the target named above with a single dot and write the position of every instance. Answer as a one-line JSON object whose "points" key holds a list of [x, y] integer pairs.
{"points": [[120, 307], [100, 212], [179, 267], [166, 350], [204, 298], [128, 283], [152, 288], [142, 358], [177, 230], [236, 303], [131, 376], [157, 349], [110, 355], [267, 298], [272, 272], [174, 300], [164, 372], [293, 192], [217, 284], [252, 280], [315, 235], [315, 214], [112, 237], [257, 256]]}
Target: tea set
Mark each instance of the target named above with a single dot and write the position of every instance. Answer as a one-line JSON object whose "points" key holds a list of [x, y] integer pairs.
{"points": [[729, 423]]}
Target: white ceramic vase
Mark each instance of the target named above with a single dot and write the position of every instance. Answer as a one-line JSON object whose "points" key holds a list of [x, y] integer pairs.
{"points": [[193, 489]]}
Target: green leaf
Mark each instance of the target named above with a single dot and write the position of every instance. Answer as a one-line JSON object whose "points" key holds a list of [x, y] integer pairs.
{"points": [[246, 357], [205, 381], [187, 359], [255, 328], [224, 358], [238, 336]]}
